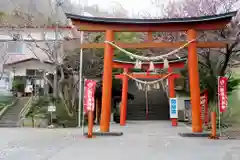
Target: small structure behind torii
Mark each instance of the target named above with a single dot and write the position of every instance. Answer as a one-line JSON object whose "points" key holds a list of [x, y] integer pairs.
{"points": [[124, 77]]}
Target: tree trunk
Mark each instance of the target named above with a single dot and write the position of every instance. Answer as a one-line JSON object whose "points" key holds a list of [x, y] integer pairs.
{"points": [[55, 84], [33, 125]]}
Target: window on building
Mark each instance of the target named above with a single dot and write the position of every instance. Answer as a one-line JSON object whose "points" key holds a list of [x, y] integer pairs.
{"points": [[53, 35], [39, 73], [15, 47], [34, 73], [30, 72]]}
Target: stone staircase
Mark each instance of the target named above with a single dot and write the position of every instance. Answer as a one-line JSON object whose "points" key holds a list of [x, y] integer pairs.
{"points": [[158, 106], [11, 117]]}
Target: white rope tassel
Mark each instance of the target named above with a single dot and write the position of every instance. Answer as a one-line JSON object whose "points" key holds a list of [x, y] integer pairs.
{"points": [[165, 63], [145, 86], [148, 87], [157, 86], [140, 86], [138, 64], [151, 66], [137, 84]]}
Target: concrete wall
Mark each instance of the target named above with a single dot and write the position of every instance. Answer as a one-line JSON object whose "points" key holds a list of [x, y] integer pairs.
{"points": [[181, 102]]}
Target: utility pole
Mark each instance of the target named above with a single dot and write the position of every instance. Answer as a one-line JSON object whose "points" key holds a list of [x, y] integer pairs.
{"points": [[80, 106]]}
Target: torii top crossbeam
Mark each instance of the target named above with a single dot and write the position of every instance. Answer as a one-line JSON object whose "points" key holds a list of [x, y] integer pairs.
{"points": [[97, 24], [150, 25]]}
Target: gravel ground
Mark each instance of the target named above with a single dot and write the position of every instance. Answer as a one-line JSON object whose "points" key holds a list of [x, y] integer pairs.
{"points": [[232, 132], [141, 140]]}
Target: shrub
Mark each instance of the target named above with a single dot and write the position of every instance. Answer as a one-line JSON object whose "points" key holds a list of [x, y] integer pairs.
{"points": [[18, 85]]}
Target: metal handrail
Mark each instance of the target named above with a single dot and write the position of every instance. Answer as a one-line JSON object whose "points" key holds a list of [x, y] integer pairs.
{"points": [[25, 110]]}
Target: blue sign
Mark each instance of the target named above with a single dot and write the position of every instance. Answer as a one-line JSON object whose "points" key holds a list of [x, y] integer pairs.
{"points": [[173, 108]]}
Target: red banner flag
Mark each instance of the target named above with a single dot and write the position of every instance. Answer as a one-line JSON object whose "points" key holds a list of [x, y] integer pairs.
{"points": [[222, 94], [204, 106], [89, 91]]}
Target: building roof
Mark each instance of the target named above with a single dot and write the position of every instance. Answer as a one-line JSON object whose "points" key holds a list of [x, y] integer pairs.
{"points": [[150, 21], [24, 60], [11, 59]]}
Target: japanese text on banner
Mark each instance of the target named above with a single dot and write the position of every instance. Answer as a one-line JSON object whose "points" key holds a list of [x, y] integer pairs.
{"points": [[89, 92], [222, 94], [173, 106]]}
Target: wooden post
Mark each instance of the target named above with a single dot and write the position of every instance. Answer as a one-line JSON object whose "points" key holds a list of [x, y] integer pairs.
{"points": [[206, 114], [97, 111], [171, 87], [194, 82], [214, 126], [90, 124], [107, 83], [123, 109]]}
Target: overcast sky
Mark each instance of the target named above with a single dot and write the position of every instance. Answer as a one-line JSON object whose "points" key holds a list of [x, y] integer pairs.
{"points": [[130, 5]]}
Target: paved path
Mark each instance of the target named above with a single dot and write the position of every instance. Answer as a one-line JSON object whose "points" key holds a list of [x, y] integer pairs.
{"points": [[141, 141]]}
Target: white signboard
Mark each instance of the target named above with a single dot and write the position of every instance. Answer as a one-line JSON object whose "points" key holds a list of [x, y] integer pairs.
{"points": [[51, 108], [173, 107]]}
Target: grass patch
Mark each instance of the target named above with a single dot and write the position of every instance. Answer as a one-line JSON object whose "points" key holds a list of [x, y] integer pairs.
{"points": [[232, 116], [39, 110], [233, 113], [63, 117], [6, 100]]}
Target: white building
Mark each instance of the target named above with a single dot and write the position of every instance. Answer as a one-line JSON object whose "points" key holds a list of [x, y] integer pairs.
{"points": [[32, 54]]}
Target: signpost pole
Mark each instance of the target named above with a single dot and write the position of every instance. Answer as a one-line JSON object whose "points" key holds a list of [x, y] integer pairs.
{"points": [[51, 117], [206, 110], [173, 109], [82, 117], [219, 112], [80, 110], [51, 109]]}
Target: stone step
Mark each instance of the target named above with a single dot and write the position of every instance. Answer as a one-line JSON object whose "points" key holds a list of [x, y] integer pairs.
{"points": [[154, 112], [157, 104], [145, 118], [11, 117]]}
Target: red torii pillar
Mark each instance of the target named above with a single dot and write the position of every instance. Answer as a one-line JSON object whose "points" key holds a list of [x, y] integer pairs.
{"points": [[123, 109], [194, 81], [107, 83], [172, 94]]}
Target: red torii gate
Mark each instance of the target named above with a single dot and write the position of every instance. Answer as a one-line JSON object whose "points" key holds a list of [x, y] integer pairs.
{"points": [[190, 25], [128, 65]]}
